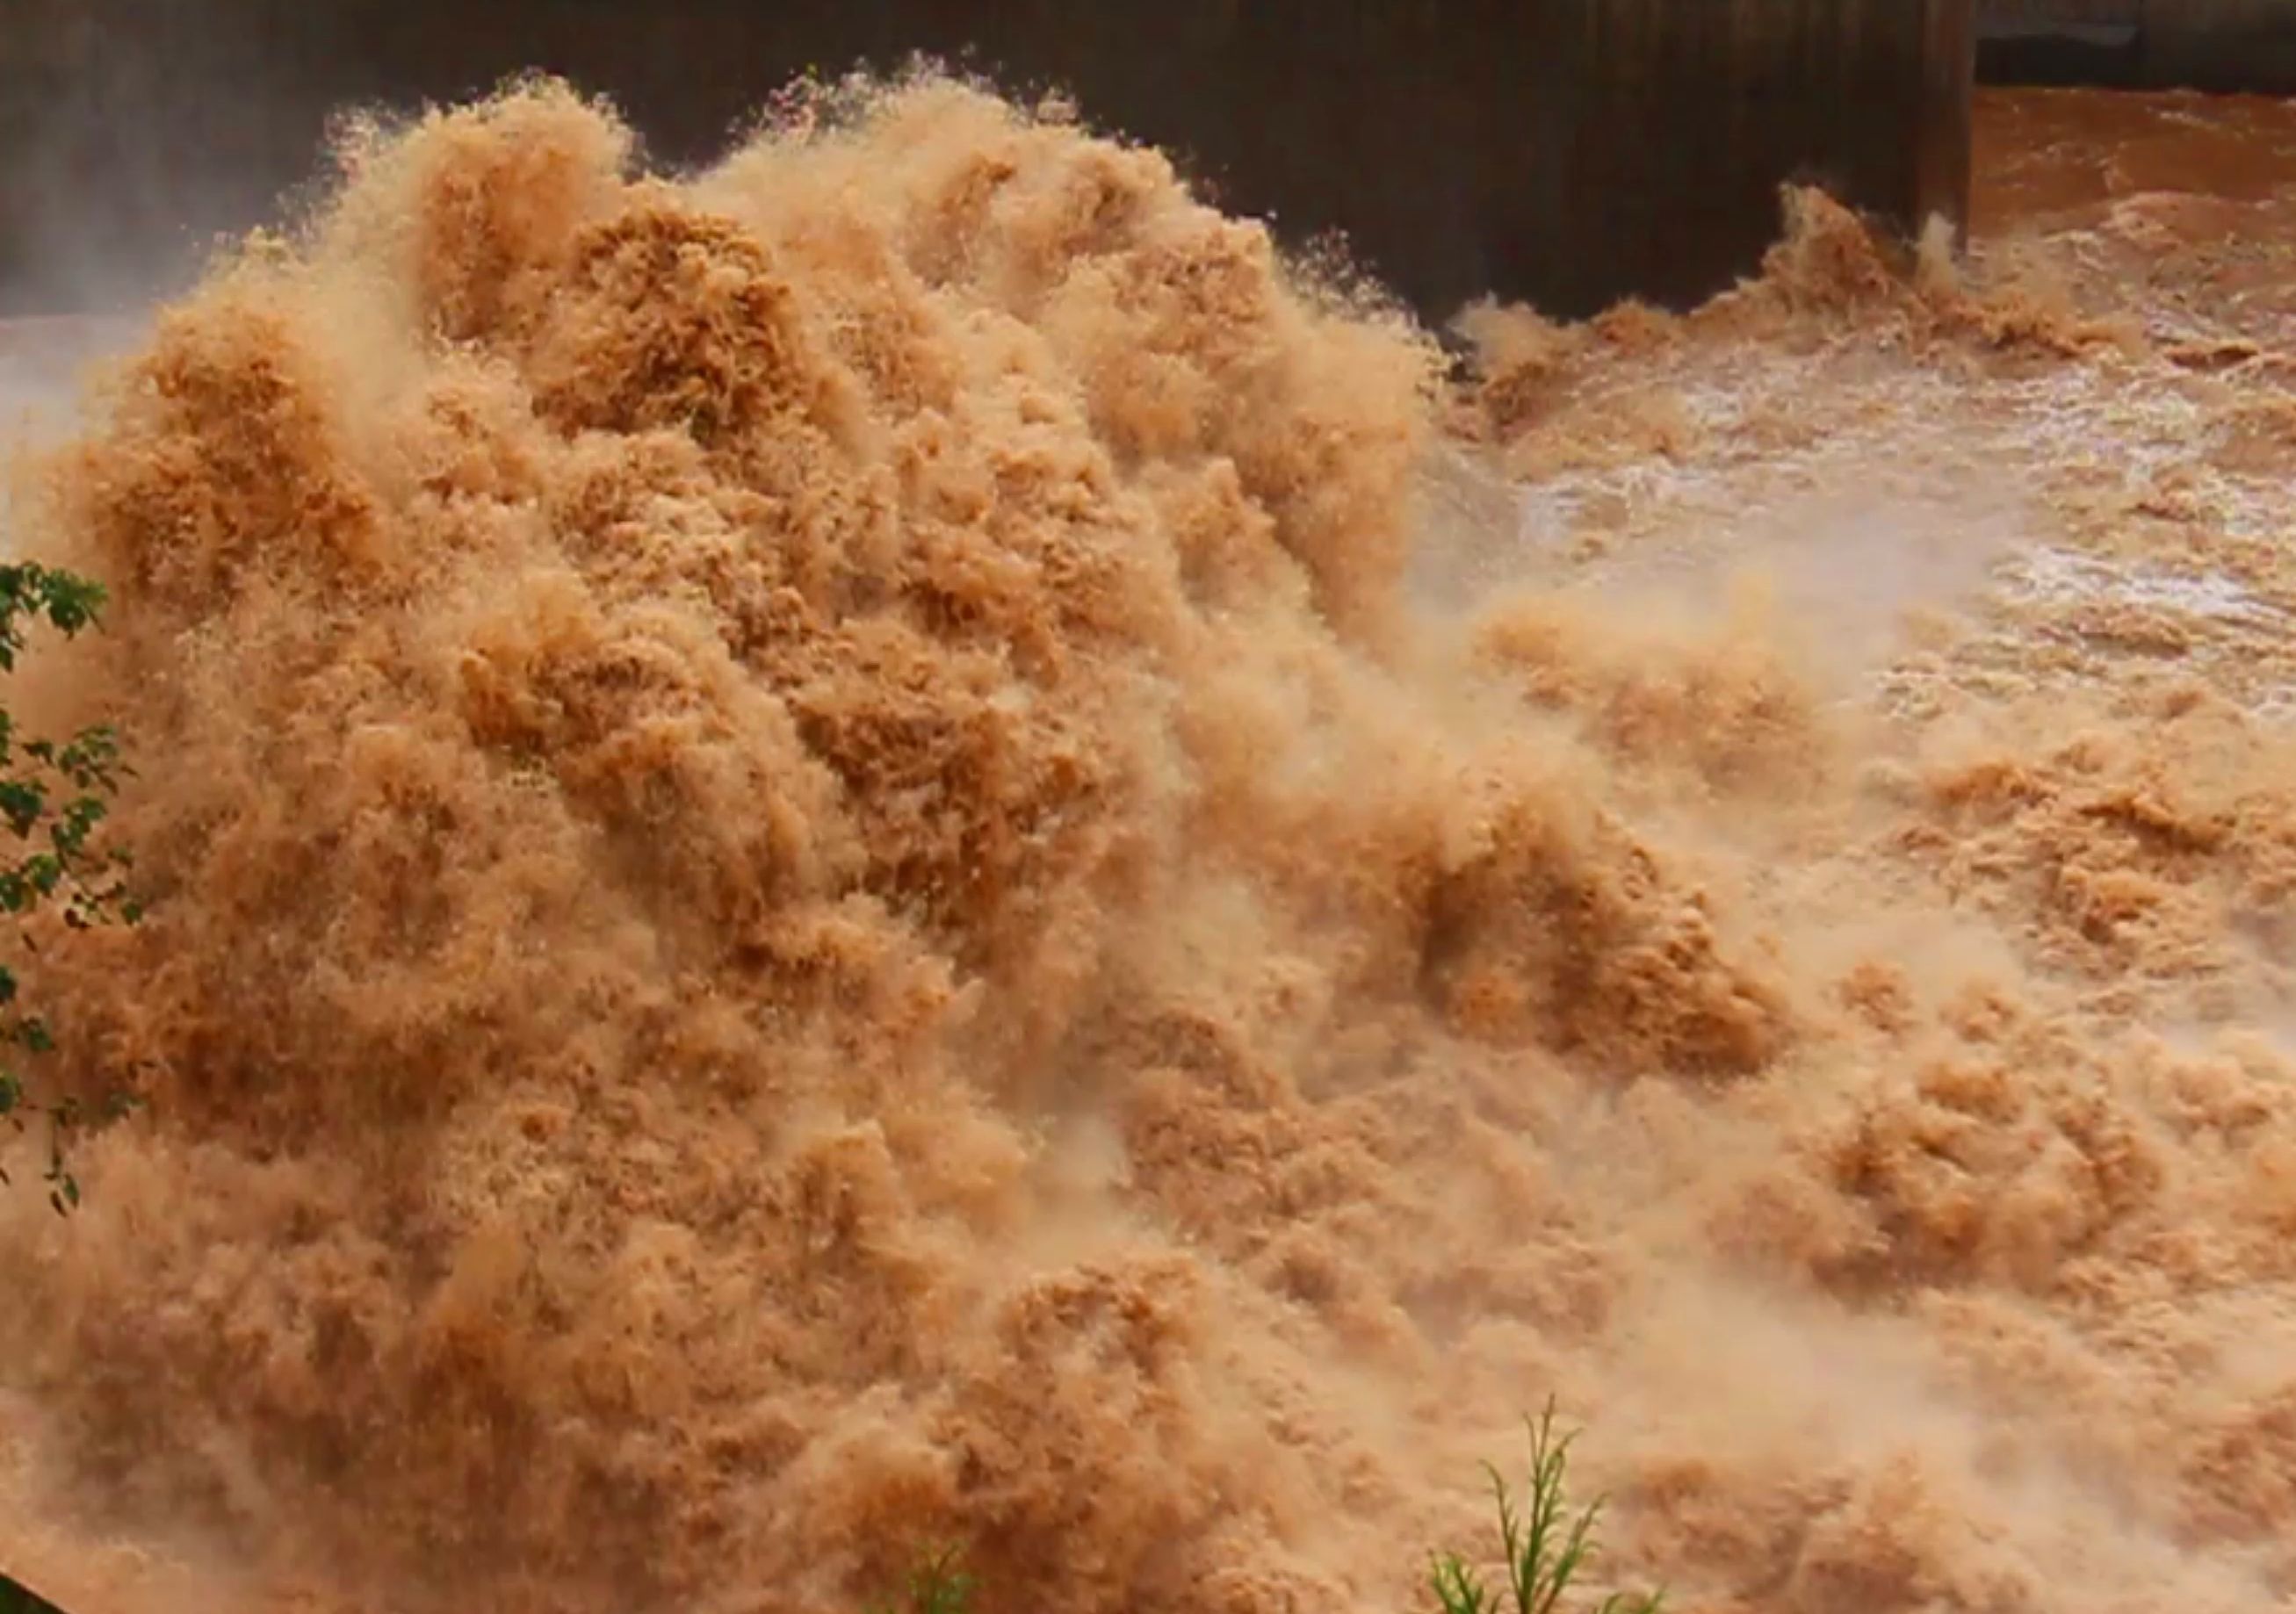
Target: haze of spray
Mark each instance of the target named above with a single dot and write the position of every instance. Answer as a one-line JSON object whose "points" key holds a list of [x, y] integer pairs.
{"points": [[815, 888]]}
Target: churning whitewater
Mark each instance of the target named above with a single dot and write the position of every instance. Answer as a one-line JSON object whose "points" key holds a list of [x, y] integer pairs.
{"points": [[855, 851]]}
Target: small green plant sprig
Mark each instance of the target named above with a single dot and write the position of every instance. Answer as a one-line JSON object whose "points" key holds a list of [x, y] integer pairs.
{"points": [[53, 796], [1546, 1549], [937, 1584]]}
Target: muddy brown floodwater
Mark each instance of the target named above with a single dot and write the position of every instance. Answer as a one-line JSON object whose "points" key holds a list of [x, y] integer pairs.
{"points": [[885, 847]]}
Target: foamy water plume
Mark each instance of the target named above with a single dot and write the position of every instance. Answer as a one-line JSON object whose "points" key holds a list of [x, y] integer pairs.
{"points": [[818, 886]]}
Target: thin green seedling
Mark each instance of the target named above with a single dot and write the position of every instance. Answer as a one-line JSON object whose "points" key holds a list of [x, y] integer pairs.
{"points": [[937, 1584], [1547, 1549]]}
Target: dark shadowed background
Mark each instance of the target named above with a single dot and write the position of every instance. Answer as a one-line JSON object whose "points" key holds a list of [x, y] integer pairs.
{"points": [[1565, 150]]}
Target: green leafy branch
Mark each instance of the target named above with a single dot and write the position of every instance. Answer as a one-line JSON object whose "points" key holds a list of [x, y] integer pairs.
{"points": [[53, 797]]}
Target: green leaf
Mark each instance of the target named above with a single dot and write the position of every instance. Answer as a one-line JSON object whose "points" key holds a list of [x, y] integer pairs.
{"points": [[22, 803]]}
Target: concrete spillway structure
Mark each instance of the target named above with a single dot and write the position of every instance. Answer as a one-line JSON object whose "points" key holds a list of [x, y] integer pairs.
{"points": [[1563, 151], [2228, 46], [1680, 122]]}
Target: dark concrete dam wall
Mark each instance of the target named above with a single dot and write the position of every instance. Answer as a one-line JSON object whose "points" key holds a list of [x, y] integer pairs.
{"points": [[1565, 152], [1684, 117], [2229, 46], [2221, 44], [2065, 42]]}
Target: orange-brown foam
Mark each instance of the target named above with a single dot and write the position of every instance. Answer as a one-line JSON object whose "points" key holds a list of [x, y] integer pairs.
{"points": [[817, 887]]}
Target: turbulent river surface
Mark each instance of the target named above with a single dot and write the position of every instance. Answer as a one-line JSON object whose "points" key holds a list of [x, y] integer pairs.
{"points": [[885, 847]]}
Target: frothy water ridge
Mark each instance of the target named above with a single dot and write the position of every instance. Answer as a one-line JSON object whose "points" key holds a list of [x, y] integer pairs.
{"points": [[861, 850]]}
